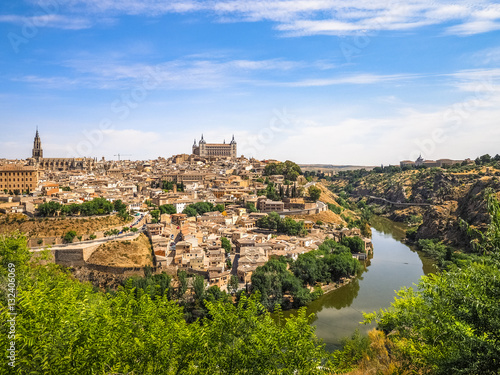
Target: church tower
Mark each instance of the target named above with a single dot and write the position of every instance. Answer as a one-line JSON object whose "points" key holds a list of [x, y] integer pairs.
{"points": [[37, 153], [234, 154]]}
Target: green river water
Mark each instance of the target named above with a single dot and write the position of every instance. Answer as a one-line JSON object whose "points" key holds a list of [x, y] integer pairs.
{"points": [[394, 265]]}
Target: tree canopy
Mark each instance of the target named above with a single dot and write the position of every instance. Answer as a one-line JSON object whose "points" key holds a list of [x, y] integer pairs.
{"points": [[450, 324], [66, 327], [202, 207], [288, 169]]}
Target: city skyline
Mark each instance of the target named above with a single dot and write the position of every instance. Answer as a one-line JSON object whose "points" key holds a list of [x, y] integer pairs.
{"points": [[314, 82]]}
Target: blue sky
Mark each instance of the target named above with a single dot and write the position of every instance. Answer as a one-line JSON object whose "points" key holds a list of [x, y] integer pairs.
{"points": [[315, 81]]}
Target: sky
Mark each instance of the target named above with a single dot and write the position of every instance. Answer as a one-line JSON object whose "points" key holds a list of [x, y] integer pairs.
{"points": [[364, 82]]}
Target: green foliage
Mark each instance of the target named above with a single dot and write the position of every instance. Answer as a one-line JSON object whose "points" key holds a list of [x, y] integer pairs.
{"points": [[155, 214], [414, 219], [273, 281], [352, 352], [411, 233], [314, 193], [488, 242], [325, 266], [167, 209], [342, 202], [287, 225], [199, 287], [450, 324], [334, 208], [202, 207], [190, 211], [69, 236], [167, 185], [234, 283], [355, 244], [250, 206], [97, 206], [66, 327], [226, 244], [288, 169]]}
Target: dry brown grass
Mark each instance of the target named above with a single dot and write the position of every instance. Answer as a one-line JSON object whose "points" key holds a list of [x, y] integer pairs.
{"points": [[58, 226], [135, 253]]}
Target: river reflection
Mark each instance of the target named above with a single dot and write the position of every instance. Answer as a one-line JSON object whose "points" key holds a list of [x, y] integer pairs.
{"points": [[394, 265]]}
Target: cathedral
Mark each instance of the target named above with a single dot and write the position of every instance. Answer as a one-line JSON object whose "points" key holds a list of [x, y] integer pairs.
{"points": [[207, 150], [58, 164]]}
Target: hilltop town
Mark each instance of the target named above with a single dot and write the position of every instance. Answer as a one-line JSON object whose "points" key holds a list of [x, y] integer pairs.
{"points": [[204, 212]]}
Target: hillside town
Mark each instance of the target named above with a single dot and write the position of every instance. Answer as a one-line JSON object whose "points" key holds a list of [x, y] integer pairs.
{"points": [[221, 240]]}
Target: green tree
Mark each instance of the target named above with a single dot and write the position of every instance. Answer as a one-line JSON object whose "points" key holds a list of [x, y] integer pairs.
{"points": [[234, 284], [69, 236], [190, 211], [182, 284], [155, 214], [167, 209], [226, 244], [250, 206], [68, 327], [355, 244], [199, 287], [314, 193]]}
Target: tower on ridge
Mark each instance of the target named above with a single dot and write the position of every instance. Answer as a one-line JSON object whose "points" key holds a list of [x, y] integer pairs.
{"points": [[37, 152]]}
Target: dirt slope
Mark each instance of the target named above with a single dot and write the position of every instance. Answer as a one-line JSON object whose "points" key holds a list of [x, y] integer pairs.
{"points": [[136, 253]]}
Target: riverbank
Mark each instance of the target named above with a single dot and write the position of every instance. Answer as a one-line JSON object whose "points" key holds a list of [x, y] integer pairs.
{"points": [[337, 313]]}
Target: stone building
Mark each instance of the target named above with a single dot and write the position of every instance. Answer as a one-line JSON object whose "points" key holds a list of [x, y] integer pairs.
{"points": [[206, 150], [18, 177], [431, 163], [58, 164]]}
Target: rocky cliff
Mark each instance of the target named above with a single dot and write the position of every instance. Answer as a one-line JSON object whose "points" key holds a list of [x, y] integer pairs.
{"points": [[450, 197]]}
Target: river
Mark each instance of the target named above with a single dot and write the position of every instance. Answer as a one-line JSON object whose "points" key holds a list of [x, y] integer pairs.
{"points": [[393, 266]]}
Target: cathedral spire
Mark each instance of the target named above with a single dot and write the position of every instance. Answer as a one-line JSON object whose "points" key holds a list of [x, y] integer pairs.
{"points": [[37, 152]]}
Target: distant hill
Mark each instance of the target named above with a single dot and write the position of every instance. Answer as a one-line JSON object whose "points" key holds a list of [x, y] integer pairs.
{"points": [[336, 168]]}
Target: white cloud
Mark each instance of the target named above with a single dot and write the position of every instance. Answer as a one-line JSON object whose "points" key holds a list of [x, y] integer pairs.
{"points": [[186, 73], [359, 79], [49, 20], [312, 17]]}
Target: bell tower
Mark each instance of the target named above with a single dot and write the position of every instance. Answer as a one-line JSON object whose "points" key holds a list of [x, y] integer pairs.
{"points": [[37, 153]]}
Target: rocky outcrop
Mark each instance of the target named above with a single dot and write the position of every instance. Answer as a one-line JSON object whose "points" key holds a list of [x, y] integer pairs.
{"points": [[452, 197], [101, 280]]}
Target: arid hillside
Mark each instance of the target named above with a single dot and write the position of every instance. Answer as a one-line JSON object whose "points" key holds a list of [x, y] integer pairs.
{"points": [[446, 197], [135, 253], [54, 227]]}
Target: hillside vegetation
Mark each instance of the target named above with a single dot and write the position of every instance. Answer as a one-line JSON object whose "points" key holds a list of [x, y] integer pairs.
{"points": [[451, 195]]}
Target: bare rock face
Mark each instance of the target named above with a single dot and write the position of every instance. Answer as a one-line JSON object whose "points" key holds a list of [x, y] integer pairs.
{"points": [[439, 221], [98, 279], [404, 215], [442, 221]]}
